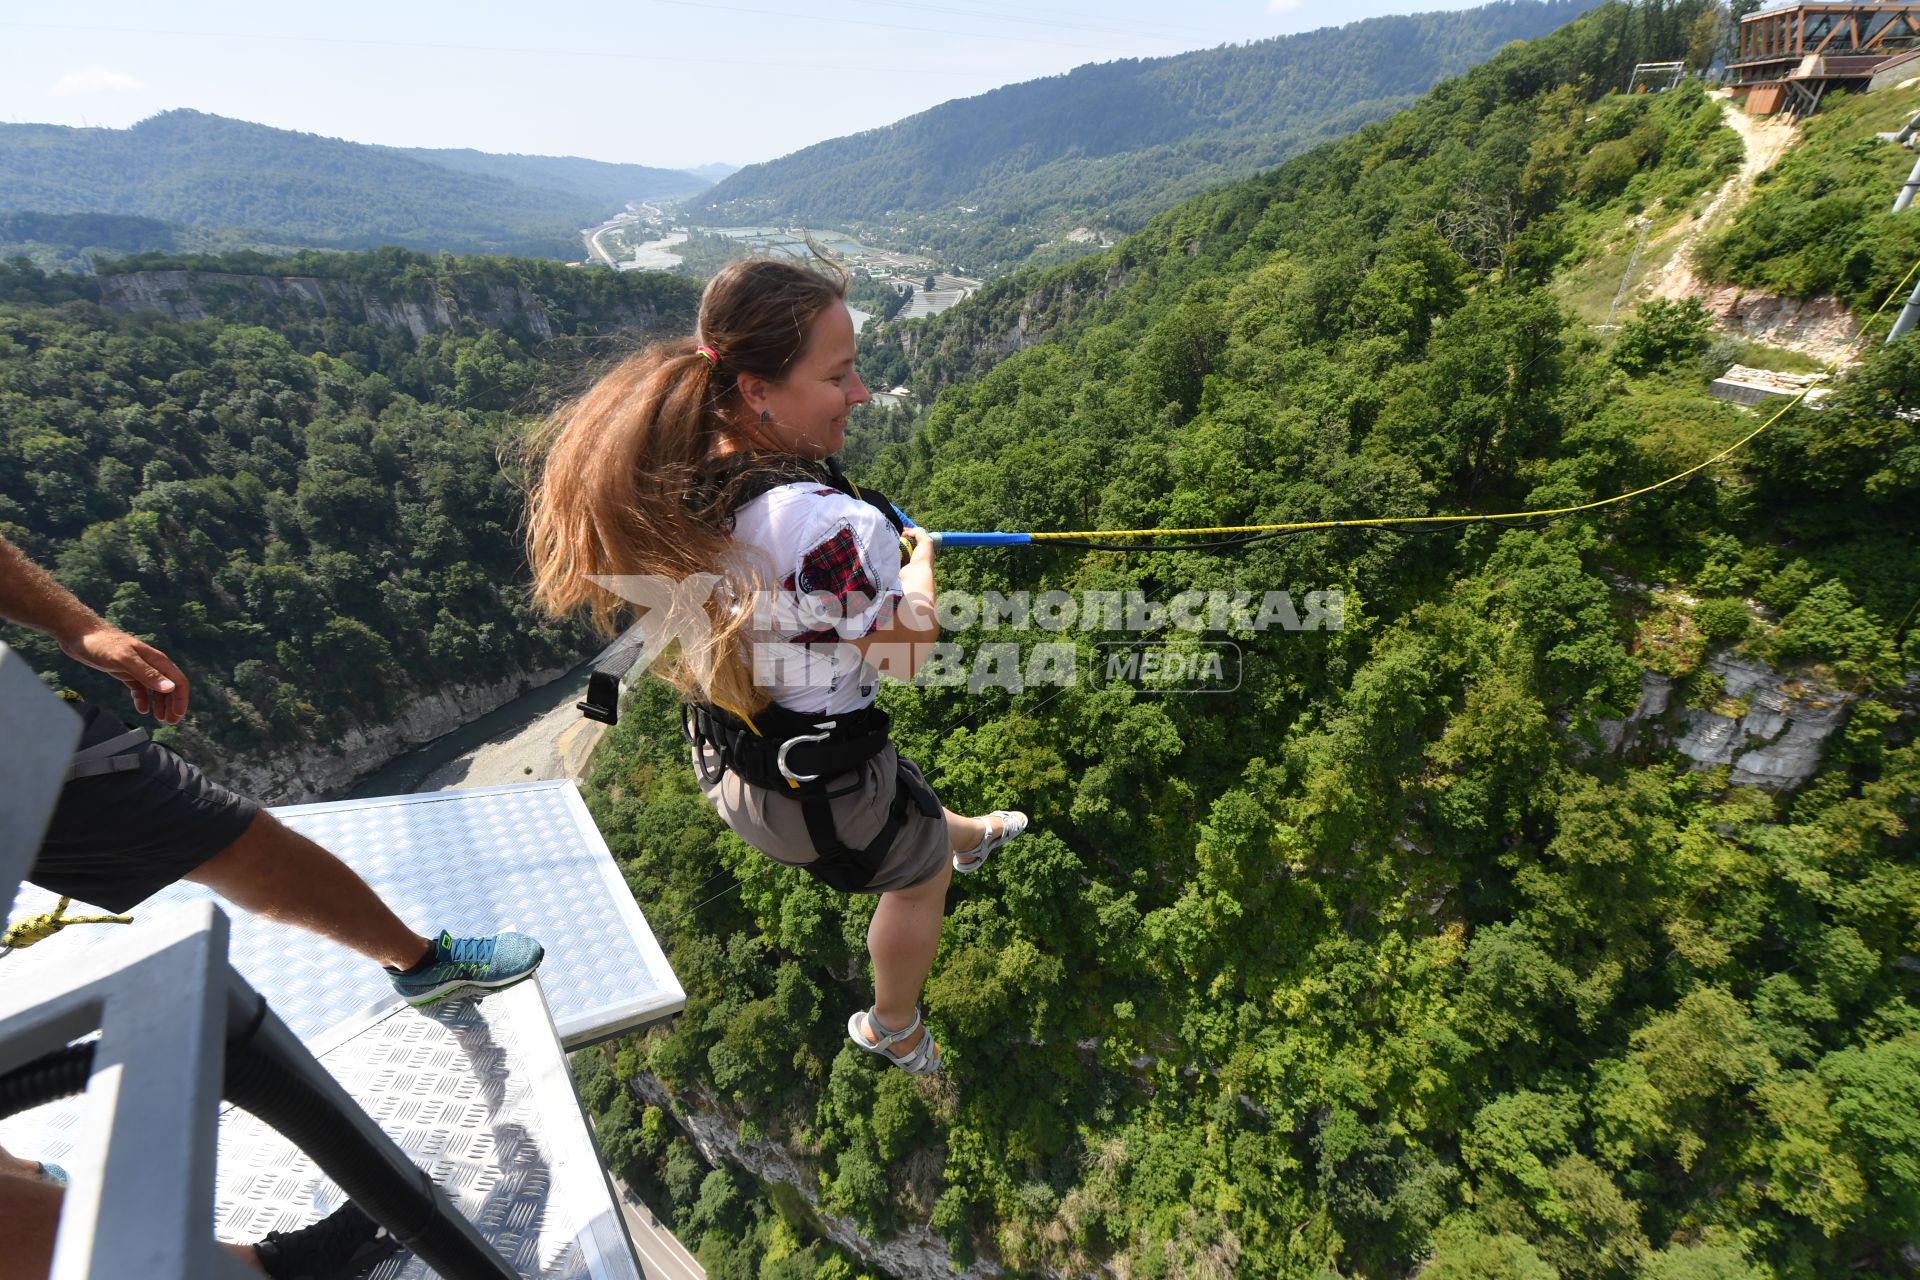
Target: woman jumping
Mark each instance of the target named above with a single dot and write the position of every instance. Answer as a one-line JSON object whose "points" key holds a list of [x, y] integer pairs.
{"points": [[705, 468]]}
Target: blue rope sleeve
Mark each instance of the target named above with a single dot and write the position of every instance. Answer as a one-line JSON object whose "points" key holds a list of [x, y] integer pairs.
{"points": [[956, 540]]}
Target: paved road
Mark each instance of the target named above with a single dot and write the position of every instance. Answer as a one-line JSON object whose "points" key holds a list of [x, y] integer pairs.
{"points": [[661, 1256]]}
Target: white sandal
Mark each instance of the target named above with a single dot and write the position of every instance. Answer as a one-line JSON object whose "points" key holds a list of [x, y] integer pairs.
{"points": [[1012, 823], [922, 1060]]}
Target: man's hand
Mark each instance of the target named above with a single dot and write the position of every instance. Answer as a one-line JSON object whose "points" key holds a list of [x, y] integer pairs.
{"points": [[158, 687]]}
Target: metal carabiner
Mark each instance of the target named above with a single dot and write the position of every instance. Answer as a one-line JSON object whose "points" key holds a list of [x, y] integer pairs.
{"points": [[794, 741]]}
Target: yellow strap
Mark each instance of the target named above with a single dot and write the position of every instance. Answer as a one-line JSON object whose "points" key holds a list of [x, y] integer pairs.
{"points": [[43, 926]]}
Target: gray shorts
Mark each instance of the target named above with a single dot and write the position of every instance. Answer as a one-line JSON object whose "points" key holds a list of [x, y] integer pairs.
{"points": [[772, 823], [119, 838]]}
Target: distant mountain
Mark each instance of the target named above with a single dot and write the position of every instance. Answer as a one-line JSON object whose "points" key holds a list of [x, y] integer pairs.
{"points": [[276, 186], [988, 180], [714, 172], [614, 184]]}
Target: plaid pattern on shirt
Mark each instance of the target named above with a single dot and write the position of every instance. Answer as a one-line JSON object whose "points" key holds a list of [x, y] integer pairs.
{"points": [[835, 568]]}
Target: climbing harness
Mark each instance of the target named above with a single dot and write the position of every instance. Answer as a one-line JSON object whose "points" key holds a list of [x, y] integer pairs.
{"points": [[778, 749], [800, 756]]}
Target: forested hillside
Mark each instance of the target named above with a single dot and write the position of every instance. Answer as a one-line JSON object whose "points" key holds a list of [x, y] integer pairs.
{"points": [[1413, 955], [303, 505], [261, 186], [985, 182]]}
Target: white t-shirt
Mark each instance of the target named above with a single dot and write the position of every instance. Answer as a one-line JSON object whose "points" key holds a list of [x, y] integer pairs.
{"points": [[834, 565]]}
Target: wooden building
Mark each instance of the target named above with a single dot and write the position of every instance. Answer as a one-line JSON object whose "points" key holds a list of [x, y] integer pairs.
{"points": [[1790, 56]]}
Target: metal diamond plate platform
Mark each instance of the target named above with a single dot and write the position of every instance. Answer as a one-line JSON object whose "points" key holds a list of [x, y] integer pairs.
{"points": [[477, 1094], [471, 862]]}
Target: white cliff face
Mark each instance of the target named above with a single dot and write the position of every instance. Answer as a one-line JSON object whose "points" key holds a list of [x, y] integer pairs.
{"points": [[315, 772], [194, 295], [1820, 327], [1775, 743], [917, 1253], [1656, 692]]}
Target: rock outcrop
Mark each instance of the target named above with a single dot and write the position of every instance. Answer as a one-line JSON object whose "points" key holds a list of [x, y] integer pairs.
{"points": [[1819, 327], [1775, 741], [917, 1253], [198, 295]]}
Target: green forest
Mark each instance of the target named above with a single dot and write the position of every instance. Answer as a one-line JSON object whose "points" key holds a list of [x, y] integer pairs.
{"points": [[990, 182], [306, 510], [1411, 957], [1388, 964]]}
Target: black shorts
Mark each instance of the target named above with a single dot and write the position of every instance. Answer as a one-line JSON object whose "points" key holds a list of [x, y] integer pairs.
{"points": [[118, 838]]}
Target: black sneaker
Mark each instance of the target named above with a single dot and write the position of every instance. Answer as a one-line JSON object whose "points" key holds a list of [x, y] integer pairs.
{"points": [[342, 1245]]}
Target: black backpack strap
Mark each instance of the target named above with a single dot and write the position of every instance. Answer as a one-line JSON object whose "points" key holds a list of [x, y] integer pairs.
{"points": [[114, 755], [872, 497]]}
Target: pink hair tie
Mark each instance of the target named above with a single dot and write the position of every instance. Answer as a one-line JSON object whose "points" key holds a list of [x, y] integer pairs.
{"points": [[712, 357]]}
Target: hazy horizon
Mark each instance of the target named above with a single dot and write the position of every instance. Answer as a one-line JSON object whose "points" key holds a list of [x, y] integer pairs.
{"points": [[635, 93]]}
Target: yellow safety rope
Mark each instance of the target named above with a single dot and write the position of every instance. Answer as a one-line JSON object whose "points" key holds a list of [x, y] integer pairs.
{"points": [[43, 926], [1303, 525]]}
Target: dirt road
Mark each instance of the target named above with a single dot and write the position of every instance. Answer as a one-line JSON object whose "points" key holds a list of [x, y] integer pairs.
{"points": [[1766, 140]]}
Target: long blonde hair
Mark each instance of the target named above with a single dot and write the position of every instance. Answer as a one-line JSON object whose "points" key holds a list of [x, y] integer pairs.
{"points": [[628, 478]]}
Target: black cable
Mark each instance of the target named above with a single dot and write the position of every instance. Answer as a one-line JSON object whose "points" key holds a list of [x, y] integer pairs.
{"points": [[1241, 540]]}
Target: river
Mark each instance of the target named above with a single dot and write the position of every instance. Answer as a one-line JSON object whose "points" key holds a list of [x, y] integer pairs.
{"points": [[536, 737]]}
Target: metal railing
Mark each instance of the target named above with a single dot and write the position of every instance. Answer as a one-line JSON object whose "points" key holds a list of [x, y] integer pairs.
{"points": [[177, 1029]]}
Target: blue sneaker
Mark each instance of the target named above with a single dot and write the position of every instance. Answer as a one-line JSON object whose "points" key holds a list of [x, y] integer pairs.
{"points": [[457, 963]]}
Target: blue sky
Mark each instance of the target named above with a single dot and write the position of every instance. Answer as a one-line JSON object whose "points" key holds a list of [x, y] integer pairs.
{"points": [[662, 82]]}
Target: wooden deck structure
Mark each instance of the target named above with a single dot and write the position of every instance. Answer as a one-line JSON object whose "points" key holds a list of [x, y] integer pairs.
{"points": [[1789, 57]]}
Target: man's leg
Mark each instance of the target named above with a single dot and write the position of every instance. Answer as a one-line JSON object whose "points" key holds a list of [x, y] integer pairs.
{"points": [[274, 871], [120, 837], [343, 1245], [29, 1216]]}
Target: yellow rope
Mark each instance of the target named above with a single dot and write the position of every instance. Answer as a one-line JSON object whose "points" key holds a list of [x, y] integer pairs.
{"points": [[43, 926], [1303, 525]]}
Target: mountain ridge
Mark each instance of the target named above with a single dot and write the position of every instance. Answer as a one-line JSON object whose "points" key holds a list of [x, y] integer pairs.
{"points": [[1113, 143], [284, 187]]}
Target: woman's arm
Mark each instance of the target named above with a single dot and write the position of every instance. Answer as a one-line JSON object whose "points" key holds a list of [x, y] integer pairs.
{"points": [[902, 647]]}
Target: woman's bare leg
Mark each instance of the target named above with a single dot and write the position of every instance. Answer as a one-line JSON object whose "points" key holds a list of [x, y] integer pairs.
{"points": [[905, 933], [902, 938], [964, 834]]}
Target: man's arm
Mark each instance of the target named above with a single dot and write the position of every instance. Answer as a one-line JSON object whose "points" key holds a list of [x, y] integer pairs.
{"points": [[30, 597]]}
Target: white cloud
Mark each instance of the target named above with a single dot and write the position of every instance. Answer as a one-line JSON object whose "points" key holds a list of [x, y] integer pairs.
{"points": [[95, 80], [1282, 6]]}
